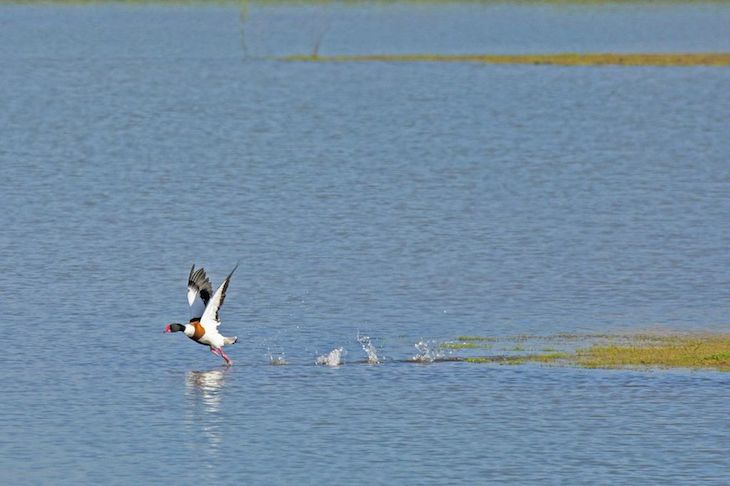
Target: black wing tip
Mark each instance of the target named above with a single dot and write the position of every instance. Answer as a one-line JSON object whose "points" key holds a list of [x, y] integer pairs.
{"points": [[223, 293], [198, 280], [194, 273], [201, 271]]}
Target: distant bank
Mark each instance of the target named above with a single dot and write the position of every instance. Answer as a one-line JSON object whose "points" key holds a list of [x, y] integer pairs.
{"points": [[560, 59]]}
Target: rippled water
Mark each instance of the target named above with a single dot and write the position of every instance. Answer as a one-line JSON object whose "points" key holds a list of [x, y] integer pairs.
{"points": [[408, 203]]}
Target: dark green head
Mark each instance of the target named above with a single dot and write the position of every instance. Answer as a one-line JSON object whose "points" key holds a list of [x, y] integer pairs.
{"points": [[174, 327]]}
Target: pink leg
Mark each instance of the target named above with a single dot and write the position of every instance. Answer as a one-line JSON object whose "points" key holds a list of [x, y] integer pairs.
{"points": [[225, 357], [215, 351]]}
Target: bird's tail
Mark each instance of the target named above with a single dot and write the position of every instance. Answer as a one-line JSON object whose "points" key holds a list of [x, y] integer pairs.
{"points": [[230, 340]]}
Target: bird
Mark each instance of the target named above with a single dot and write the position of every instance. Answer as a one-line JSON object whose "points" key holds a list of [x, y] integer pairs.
{"points": [[204, 313]]}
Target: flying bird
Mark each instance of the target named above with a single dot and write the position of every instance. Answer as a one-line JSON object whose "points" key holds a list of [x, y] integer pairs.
{"points": [[204, 313]]}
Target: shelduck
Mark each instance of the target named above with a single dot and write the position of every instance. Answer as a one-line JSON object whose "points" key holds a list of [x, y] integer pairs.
{"points": [[204, 313]]}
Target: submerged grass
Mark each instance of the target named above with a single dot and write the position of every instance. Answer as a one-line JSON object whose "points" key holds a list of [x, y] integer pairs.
{"points": [[459, 345], [497, 359], [476, 338], [469, 342], [561, 59], [513, 360]]}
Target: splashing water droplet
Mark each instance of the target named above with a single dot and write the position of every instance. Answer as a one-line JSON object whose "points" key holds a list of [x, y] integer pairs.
{"points": [[425, 353], [333, 358], [369, 349], [277, 360]]}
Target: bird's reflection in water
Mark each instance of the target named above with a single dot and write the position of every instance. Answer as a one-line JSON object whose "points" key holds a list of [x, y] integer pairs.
{"points": [[206, 388], [208, 385]]}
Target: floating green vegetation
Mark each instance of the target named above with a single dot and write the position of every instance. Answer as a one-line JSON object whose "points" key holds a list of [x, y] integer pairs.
{"points": [[694, 351], [513, 360], [550, 357], [469, 342], [561, 59], [476, 338], [690, 351], [459, 345]]}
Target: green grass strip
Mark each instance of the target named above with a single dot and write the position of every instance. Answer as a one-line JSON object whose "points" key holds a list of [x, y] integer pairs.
{"points": [[559, 59]]}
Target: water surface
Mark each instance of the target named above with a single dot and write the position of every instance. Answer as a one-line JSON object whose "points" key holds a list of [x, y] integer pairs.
{"points": [[407, 202]]}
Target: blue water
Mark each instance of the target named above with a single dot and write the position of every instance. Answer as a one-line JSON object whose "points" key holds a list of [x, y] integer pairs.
{"points": [[407, 202]]}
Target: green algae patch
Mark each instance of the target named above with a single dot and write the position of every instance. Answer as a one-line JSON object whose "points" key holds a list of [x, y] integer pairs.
{"points": [[559, 59], [514, 360], [476, 339], [469, 342], [549, 357], [460, 345], [690, 351], [637, 350], [510, 360]]}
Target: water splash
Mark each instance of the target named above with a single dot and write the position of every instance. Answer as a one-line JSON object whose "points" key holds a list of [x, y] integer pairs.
{"points": [[333, 358], [425, 352], [278, 359], [369, 349]]}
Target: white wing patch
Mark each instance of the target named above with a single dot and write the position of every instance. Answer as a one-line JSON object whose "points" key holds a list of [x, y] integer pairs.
{"points": [[199, 292], [197, 306], [210, 319]]}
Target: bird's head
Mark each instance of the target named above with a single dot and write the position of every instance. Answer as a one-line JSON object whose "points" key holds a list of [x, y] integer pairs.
{"points": [[174, 327]]}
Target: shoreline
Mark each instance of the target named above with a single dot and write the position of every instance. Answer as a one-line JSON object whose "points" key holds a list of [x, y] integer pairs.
{"points": [[717, 59]]}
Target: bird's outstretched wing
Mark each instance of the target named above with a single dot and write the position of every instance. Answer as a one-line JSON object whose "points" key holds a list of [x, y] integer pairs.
{"points": [[211, 319], [199, 292]]}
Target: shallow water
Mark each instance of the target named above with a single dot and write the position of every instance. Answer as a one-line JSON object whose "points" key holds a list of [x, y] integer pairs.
{"points": [[408, 203]]}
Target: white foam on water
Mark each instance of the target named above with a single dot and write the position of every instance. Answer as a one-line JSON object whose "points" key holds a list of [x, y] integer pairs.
{"points": [[369, 349], [425, 353], [333, 358]]}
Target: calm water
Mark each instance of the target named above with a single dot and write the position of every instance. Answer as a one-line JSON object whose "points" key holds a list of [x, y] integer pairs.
{"points": [[406, 202]]}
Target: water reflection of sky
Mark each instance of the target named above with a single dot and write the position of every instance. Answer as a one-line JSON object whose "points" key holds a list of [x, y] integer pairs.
{"points": [[463, 28], [478, 28]]}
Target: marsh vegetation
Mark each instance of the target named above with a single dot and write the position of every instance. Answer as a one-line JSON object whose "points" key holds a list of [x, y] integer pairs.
{"points": [[561, 59], [694, 351]]}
